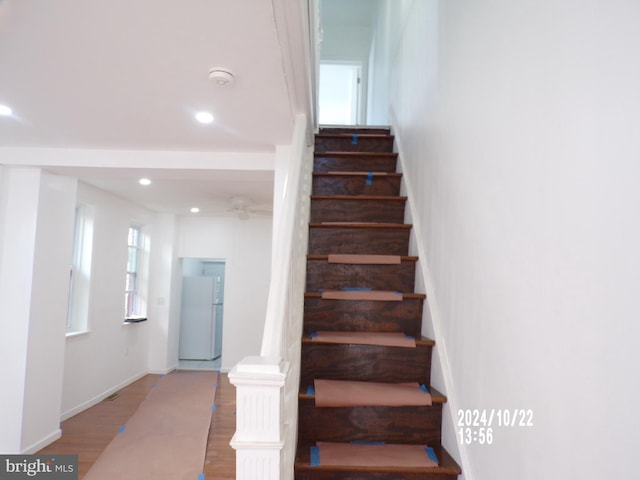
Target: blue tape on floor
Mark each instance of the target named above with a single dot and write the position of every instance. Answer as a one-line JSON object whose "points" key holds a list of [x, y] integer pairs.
{"points": [[431, 454], [369, 180], [213, 407], [315, 456], [216, 385], [354, 139], [201, 476], [154, 385], [424, 388], [311, 391], [122, 429]]}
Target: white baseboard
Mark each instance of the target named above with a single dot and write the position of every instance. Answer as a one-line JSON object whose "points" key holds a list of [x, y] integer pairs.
{"points": [[165, 371], [98, 398], [42, 443]]}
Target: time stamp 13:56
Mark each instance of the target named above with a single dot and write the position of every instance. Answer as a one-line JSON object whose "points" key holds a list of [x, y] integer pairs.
{"points": [[479, 425]]}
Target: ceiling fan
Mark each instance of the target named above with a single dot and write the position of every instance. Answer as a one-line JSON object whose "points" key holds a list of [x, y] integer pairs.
{"points": [[243, 208]]}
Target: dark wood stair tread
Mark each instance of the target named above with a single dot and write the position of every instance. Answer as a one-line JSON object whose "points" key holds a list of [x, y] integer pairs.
{"points": [[420, 296], [359, 197], [350, 135], [340, 153], [436, 397], [355, 174], [359, 225], [379, 129], [404, 258], [447, 465], [422, 341]]}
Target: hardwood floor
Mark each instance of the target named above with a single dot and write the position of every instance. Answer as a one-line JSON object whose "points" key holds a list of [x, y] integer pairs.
{"points": [[88, 433]]}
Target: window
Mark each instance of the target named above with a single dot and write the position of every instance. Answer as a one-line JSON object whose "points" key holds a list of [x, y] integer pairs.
{"points": [[132, 301], [80, 271]]}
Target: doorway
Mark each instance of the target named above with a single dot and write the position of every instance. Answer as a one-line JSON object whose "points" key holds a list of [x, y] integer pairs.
{"points": [[202, 310], [339, 93]]}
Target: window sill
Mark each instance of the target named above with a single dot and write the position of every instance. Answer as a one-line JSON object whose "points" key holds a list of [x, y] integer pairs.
{"points": [[76, 333], [129, 320]]}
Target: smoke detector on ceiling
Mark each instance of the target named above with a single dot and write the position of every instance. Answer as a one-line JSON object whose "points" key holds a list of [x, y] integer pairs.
{"points": [[221, 77]]}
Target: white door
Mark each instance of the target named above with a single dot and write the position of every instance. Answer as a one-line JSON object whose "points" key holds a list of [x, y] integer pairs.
{"points": [[339, 93], [197, 319]]}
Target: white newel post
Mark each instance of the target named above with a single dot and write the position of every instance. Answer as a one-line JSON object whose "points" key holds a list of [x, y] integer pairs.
{"points": [[260, 434]]}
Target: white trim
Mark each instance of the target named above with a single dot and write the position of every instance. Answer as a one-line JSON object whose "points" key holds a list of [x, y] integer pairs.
{"points": [[49, 439], [431, 307], [98, 398], [146, 159]]}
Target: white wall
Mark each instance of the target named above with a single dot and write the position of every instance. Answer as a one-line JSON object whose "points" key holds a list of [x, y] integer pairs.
{"points": [[517, 123], [37, 231], [245, 245], [164, 281], [111, 354]]}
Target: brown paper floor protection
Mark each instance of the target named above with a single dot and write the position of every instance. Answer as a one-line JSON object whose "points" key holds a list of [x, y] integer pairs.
{"points": [[388, 339], [166, 437], [385, 455], [355, 259], [344, 393], [375, 295]]}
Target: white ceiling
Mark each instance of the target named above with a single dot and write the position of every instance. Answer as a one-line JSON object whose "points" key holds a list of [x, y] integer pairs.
{"points": [[129, 75]]}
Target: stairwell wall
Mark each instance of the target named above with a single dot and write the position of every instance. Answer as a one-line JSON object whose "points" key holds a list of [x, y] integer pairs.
{"points": [[516, 126]]}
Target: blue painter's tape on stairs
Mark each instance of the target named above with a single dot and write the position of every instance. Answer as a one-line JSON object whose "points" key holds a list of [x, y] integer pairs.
{"points": [[311, 391], [315, 456], [424, 388], [354, 139], [314, 335], [201, 476], [431, 454], [369, 180]]}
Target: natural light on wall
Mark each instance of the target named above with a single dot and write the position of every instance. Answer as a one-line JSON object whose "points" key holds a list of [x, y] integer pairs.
{"points": [[338, 93]]}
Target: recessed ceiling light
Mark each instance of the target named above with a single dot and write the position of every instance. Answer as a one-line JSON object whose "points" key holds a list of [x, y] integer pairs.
{"points": [[195, 209], [204, 117], [5, 111], [144, 181]]}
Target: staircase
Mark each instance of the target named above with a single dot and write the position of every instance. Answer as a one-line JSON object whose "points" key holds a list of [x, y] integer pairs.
{"points": [[360, 280]]}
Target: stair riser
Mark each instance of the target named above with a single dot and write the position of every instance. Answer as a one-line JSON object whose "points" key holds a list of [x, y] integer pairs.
{"points": [[329, 475], [346, 144], [363, 316], [365, 363], [378, 241], [351, 210], [331, 163], [370, 424], [356, 185], [335, 276]]}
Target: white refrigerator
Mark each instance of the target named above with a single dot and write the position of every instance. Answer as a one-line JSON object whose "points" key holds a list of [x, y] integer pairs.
{"points": [[201, 318]]}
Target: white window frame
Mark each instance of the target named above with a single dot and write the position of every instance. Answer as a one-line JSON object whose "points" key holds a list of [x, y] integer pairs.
{"points": [[80, 272], [135, 305]]}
